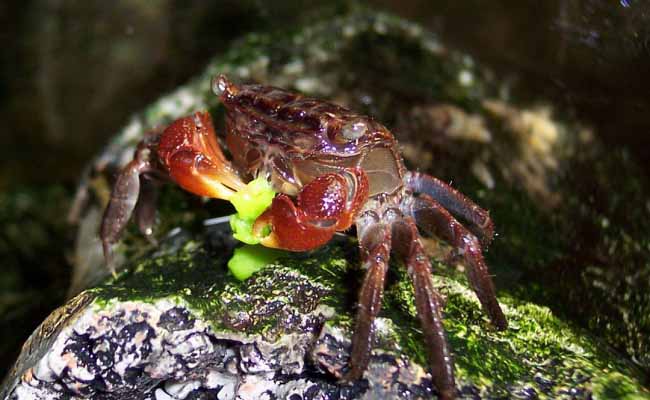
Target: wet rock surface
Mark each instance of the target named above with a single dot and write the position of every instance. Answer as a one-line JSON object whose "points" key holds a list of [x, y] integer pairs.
{"points": [[174, 324], [140, 337], [181, 327]]}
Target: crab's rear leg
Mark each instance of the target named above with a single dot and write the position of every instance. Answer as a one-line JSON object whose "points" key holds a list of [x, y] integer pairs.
{"points": [[457, 203], [435, 219], [428, 303], [324, 206]]}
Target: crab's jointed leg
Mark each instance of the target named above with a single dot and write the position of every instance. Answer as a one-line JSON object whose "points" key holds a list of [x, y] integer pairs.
{"points": [[123, 200], [435, 219], [428, 304], [187, 153], [457, 203], [325, 205], [375, 246]]}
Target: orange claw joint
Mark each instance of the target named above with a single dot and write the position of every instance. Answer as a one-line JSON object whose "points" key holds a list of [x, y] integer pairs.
{"points": [[327, 204], [189, 150]]}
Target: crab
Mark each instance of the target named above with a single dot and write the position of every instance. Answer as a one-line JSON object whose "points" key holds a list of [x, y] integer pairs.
{"points": [[332, 168]]}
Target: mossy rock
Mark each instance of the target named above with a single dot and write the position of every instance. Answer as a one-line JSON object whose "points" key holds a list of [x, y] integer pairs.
{"points": [[179, 324], [175, 322]]}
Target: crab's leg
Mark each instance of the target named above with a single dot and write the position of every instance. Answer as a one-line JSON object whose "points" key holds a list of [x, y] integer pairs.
{"points": [[145, 208], [433, 218], [124, 198], [428, 304], [185, 152], [454, 201], [325, 205], [375, 244]]}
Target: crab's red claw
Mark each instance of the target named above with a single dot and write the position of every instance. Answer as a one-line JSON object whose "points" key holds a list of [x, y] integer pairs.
{"points": [[325, 205], [291, 228], [189, 150]]}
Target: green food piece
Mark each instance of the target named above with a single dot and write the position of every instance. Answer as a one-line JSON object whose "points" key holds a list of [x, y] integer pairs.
{"points": [[250, 203], [249, 259], [242, 230]]}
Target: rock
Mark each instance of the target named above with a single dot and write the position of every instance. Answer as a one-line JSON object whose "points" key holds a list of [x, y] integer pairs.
{"points": [[180, 326], [175, 324]]}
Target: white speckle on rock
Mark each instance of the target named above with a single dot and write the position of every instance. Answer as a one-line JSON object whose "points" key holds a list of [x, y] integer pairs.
{"points": [[179, 389], [186, 100], [228, 383], [24, 392], [465, 77], [161, 395], [168, 106], [295, 67], [384, 327], [297, 387], [81, 374], [319, 54], [133, 131], [43, 372], [414, 31], [349, 31], [432, 46], [243, 72], [307, 84], [256, 387], [380, 27]]}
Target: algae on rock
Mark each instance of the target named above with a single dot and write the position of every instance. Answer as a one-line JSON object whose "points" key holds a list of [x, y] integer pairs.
{"points": [[180, 323]]}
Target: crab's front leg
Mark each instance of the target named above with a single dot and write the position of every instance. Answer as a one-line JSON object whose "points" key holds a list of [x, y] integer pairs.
{"points": [[126, 194], [186, 153], [327, 204]]}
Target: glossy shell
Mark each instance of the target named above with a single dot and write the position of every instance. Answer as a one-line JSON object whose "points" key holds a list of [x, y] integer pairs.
{"points": [[294, 139]]}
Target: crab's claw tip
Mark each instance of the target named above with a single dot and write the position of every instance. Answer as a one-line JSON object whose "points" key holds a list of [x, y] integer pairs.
{"points": [[271, 241], [261, 229]]}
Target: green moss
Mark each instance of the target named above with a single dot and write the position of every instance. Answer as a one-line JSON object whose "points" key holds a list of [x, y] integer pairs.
{"points": [[536, 349], [200, 279]]}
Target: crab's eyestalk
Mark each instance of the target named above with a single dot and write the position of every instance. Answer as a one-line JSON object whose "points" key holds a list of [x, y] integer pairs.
{"points": [[189, 150], [223, 87]]}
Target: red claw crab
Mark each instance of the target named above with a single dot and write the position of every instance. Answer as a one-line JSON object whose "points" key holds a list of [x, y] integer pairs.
{"points": [[332, 168]]}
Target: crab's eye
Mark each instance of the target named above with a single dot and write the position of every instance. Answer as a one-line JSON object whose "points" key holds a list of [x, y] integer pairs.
{"points": [[222, 87], [219, 84], [354, 130]]}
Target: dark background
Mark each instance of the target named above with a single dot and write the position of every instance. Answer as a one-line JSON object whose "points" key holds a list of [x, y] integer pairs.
{"points": [[72, 72]]}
